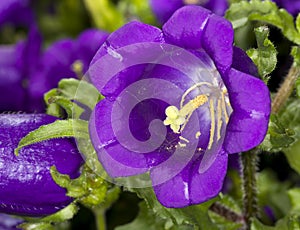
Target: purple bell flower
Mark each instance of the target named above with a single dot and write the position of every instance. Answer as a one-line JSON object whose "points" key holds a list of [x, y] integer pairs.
{"points": [[26, 185], [163, 9], [183, 134]]}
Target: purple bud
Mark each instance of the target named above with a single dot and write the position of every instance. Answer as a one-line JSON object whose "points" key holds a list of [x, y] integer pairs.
{"points": [[26, 185]]}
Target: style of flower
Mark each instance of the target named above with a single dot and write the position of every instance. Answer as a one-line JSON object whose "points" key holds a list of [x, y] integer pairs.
{"points": [[223, 108], [163, 9], [27, 187], [292, 6]]}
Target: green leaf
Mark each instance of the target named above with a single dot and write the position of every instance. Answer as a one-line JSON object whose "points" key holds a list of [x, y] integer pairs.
{"points": [[47, 222], [104, 14], [292, 155], [196, 215], [89, 189], [145, 220], [265, 11], [71, 108], [298, 23], [80, 91], [137, 9], [57, 129], [294, 195], [265, 56], [278, 136], [296, 54], [272, 193]]}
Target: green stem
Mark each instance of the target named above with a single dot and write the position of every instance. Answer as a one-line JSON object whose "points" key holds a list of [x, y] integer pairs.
{"points": [[285, 89], [248, 162], [100, 218]]}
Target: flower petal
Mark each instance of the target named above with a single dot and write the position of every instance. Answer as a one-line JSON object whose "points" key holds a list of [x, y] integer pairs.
{"points": [[217, 40], [131, 33], [250, 100], [191, 187], [242, 62], [116, 157], [188, 35]]}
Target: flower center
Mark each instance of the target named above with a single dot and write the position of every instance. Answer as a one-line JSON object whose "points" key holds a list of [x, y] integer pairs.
{"points": [[214, 98]]}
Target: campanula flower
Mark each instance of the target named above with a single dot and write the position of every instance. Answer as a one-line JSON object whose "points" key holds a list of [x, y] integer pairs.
{"points": [[179, 116], [26, 185]]}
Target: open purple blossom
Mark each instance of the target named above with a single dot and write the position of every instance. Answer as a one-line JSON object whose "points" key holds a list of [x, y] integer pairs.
{"points": [[65, 58], [216, 108], [26, 185], [163, 9], [292, 6]]}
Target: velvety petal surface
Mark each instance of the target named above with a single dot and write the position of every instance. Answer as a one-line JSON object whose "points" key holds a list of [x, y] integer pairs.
{"points": [[120, 38], [26, 185], [217, 40], [115, 157], [190, 187], [188, 35], [250, 100]]}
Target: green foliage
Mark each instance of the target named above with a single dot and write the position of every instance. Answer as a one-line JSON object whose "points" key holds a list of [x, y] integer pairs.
{"points": [[57, 129], [196, 215], [296, 55], [104, 14], [265, 56], [70, 95], [50, 221], [145, 220], [290, 117], [265, 11], [137, 9], [272, 193], [278, 136]]}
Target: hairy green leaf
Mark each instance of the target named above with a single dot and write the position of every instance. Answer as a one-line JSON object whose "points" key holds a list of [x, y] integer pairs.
{"points": [[196, 215], [278, 136], [265, 56], [265, 11], [57, 129]]}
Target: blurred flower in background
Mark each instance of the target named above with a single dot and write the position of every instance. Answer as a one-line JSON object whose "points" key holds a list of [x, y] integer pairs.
{"points": [[63, 59], [27, 72], [163, 9], [292, 6]]}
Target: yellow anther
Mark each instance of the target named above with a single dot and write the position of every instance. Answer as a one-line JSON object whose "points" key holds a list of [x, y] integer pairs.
{"points": [[175, 118], [172, 112], [194, 2]]}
